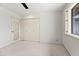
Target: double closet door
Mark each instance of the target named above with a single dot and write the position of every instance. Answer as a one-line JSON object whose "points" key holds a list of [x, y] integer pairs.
{"points": [[31, 28]]}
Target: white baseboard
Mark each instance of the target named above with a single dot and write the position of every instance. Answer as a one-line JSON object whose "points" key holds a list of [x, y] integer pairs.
{"points": [[7, 43]]}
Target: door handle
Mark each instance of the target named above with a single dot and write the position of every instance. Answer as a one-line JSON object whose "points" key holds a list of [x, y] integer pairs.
{"points": [[12, 31]]}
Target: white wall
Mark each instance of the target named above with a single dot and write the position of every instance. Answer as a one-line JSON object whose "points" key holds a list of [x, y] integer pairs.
{"points": [[51, 27], [71, 43], [5, 26]]}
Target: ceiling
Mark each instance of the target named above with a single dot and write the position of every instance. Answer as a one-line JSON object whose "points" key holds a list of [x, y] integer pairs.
{"points": [[33, 7]]}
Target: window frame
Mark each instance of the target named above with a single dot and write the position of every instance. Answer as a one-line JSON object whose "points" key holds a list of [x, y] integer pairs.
{"points": [[68, 21], [72, 19]]}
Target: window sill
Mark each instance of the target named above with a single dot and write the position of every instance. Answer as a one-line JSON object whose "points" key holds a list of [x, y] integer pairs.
{"points": [[74, 36]]}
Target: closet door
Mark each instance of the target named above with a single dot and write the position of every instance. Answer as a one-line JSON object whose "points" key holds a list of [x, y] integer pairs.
{"points": [[31, 30], [15, 28]]}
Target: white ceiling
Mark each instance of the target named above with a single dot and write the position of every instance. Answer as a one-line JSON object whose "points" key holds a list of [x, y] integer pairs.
{"points": [[33, 7]]}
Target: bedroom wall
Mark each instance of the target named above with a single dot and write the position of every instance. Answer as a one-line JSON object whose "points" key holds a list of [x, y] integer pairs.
{"points": [[71, 43], [51, 27], [5, 26]]}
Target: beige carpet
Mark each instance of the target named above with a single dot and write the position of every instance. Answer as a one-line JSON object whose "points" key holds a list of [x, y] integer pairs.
{"points": [[29, 48]]}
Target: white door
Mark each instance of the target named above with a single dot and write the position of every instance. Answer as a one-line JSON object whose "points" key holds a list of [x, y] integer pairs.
{"points": [[31, 30], [15, 28]]}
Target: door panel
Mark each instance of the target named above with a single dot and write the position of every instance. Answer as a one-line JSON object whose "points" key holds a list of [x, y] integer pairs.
{"points": [[31, 30], [15, 28]]}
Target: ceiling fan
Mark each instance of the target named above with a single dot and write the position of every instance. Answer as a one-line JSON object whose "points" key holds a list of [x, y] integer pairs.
{"points": [[25, 6], [27, 16]]}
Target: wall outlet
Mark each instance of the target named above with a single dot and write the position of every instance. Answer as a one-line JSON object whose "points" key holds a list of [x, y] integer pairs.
{"points": [[57, 40]]}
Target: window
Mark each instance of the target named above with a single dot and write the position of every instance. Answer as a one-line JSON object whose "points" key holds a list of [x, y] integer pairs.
{"points": [[75, 20]]}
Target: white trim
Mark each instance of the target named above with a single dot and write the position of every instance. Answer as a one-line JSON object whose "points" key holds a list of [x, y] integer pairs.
{"points": [[72, 35], [68, 25]]}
